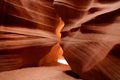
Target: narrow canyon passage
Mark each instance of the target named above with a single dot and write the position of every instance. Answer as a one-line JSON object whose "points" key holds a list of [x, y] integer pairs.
{"points": [[39, 32]]}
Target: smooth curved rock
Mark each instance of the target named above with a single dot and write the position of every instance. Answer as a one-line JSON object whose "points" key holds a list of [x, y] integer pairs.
{"points": [[27, 32], [88, 41], [30, 28]]}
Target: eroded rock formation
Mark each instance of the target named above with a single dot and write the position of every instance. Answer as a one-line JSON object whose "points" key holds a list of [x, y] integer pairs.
{"points": [[90, 36], [27, 32]]}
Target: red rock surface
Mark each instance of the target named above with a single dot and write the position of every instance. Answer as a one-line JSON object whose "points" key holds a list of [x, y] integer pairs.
{"points": [[30, 35]]}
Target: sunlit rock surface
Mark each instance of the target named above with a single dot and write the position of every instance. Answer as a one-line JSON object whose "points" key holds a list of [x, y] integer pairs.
{"points": [[90, 35], [40, 73], [89, 38], [27, 32]]}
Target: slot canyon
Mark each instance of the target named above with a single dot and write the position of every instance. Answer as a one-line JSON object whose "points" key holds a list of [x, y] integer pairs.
{"points": [[59, 39]]}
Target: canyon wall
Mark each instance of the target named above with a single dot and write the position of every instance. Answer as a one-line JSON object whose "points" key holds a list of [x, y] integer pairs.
{"points": [[30, 35]]}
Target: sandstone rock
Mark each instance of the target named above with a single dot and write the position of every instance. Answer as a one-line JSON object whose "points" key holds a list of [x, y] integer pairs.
{"points": [[27, 32], [87, 41]]}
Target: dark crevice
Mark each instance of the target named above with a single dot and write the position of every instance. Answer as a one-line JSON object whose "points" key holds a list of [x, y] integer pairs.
{"points": [[115, 51], [74, 29], [64, 34], [2, 11], [104, 18], [100, 21], [107, 1], [93, 10], [83, 29], [70, 73]]}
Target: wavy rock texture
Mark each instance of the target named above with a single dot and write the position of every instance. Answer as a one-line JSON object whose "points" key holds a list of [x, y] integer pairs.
{"points": [[89, 37], [27, 32], [30, 32], [40, 73]]}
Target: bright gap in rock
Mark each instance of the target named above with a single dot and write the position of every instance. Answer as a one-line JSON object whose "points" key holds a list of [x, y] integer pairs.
{"points": [[62, 61]]}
